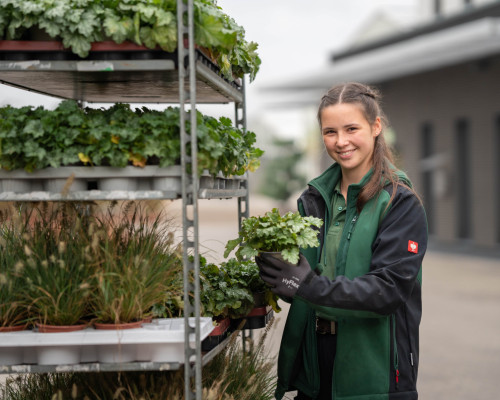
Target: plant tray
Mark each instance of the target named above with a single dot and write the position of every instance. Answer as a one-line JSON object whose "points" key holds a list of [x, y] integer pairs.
{"points": [[258, 318], [111, 183], [217, 336], [111, 73], [159, 341]]}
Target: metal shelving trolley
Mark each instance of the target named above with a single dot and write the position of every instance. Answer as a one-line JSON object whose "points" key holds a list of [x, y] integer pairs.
{"points": [[129, 73]]}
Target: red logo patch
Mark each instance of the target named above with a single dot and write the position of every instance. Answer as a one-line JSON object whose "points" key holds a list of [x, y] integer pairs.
{"points": [[412, 246]]}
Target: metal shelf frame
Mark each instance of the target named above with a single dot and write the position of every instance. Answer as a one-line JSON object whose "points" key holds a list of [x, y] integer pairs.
{"points": [[186, 78]]}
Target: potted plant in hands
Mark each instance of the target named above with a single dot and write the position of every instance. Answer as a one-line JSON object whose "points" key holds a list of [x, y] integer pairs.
{"points": [[275, 233]]}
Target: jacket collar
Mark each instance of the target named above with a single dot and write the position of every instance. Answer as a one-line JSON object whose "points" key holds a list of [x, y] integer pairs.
{"points": [[326, 182]]}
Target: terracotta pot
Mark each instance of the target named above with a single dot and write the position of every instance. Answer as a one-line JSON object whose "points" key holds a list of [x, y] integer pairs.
{"points": [[221, 327], [43, 328], [126, 325], [14, 328]]}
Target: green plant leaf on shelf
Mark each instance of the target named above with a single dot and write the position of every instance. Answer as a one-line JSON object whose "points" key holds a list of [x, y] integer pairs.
{"points": [[151, 23], [35, 138]]}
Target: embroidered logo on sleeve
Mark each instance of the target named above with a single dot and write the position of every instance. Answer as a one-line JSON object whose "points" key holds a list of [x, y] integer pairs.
{"points": [[412, 246]]}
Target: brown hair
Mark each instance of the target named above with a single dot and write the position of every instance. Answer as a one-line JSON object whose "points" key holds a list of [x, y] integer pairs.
{"points": [[368, 99]]}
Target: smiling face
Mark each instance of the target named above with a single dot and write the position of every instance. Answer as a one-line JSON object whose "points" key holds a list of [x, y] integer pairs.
{"points": [[349, 138]]}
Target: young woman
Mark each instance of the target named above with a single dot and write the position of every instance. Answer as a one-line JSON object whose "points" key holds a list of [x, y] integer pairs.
{"points": [[352, 328]]}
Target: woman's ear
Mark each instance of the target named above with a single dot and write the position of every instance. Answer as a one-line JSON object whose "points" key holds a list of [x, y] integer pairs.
{"points": [[377, 126]]}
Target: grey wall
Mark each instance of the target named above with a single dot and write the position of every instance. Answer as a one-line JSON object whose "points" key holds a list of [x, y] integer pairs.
{"points": [[440, 98]]}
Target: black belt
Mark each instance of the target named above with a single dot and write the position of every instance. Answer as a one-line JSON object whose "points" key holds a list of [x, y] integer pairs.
{"points": [[325, 326]]}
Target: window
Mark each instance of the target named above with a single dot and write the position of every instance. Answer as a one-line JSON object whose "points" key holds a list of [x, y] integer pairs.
{"points": [[463, 179], [427, 150]]}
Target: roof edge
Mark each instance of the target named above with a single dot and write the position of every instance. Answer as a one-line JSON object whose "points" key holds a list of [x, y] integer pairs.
{"points": [[489, 10]]}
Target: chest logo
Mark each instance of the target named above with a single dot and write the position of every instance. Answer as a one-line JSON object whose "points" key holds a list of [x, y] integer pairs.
{"points": [[412, 246]]}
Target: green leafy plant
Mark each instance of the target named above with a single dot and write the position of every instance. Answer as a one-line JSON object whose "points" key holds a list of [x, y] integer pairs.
{"points": [[247, 274], [223, 294], [275, 233], [35, 138], [153, 24], [228, 289]]}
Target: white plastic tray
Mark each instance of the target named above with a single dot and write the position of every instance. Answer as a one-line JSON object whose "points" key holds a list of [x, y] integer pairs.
{"points": [[159, 341]]}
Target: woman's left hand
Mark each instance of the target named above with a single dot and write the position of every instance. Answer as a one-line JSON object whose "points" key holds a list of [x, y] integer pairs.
{"points": [[283, 277]]}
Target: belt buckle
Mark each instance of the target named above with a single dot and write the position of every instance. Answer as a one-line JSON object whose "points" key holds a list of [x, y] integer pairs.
{"points": [[321, 328]]}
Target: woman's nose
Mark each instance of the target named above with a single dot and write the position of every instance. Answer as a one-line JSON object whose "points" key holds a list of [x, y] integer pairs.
{"points": [[342, 139]]}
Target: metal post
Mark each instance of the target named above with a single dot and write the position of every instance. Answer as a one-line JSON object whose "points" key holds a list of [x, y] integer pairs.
{"points": [[189, 201], [240, 121]]}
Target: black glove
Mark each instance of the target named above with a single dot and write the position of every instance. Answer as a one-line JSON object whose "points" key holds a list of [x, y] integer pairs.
{"points": [[283, 277]]}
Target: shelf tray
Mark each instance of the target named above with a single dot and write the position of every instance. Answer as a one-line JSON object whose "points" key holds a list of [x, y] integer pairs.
{"points": [[110, 183], [112, 73]]}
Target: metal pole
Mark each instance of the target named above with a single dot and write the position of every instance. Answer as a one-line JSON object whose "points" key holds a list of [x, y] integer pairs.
{"points": [[189, 201]]}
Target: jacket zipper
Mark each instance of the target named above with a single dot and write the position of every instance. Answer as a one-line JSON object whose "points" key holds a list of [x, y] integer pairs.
{"points": [[409, 342], [351, 228], [395, 345], [345, 247]]}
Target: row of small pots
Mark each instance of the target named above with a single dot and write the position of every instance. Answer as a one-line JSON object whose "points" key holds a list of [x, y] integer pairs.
{"points": [[158, 341], [57, 185]]}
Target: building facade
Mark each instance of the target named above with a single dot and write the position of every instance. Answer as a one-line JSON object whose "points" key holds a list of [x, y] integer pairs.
{"points": [[441, 91], [441, 86]]}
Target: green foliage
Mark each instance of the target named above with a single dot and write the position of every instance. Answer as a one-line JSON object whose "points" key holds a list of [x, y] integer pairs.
{"points": [[35, 138], [223, 294], [13, 310], [275, 233], [227, 289], [74, 264], [44, 246], [136, 265], [150, 23]]}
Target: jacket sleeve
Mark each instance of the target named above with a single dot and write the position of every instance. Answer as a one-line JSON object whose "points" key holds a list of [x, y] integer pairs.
{"points": [[394, 269]]}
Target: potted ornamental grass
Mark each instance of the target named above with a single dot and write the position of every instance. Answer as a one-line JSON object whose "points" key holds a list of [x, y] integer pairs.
{"points": [[138, 268], [13, 310], [44, 246], [284, 234]]}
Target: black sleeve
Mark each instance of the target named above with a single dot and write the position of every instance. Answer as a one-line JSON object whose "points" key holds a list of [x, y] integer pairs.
{"points": [[393, 271]]}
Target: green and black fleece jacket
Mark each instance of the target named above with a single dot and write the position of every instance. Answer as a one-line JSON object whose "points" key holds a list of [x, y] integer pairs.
{"points": [[375, 297]]}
